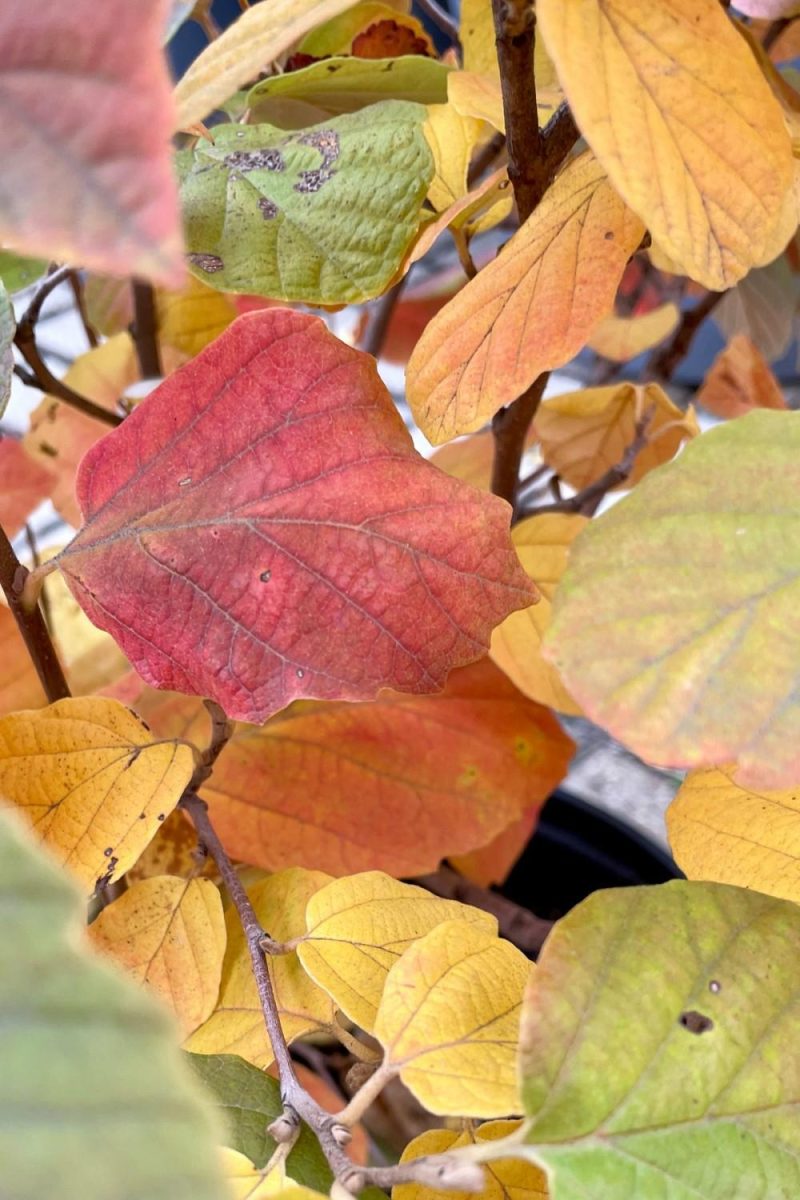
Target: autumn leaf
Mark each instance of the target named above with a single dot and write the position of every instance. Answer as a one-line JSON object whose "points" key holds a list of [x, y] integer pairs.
{"points": [[479, 209], [291, 518], [90, 658], [696, 663], [358, 927], [491, 864], [91, 781], [543, 545], [583, 434], [255, 39], [470, 458], [99, 147], [168, 933], [504, 1178], [189, 319], [19, 683], [772, 10], [91, 1074], [342, 84], [529, 310], [478, 96], [731, 834], [696, 1096], [433, 776], [449, 1021], [391, 38], [173, 851], [707, 167], [622, 338], [237, 1024], [452, 139], [762, 307], [25, 484], [323, 215], [337, 34], [738, 381]]}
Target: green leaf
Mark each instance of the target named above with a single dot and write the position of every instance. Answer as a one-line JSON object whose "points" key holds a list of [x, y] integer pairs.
{"points": [[7, 327], [341, 85], [322, 215], [18, 272], [251, 1100], [656, 1047], [95, 1103], [675, 624]]}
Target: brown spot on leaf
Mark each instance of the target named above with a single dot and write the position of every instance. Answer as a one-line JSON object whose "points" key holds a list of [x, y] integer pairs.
{"points": [[210, 263], [268, 208], [267, 159], [696, 1022]]}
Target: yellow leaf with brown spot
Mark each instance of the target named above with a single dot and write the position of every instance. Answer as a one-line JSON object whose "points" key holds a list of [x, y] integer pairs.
{"points": [[359, 926], [674, 105], [622, 338], [168, 933], [504, 1178], [237, 1024], [725, 833], [739, 380], [529, 310], [92, 781], [449, 1021], [452, 139], [542, 544], [173, 851], [583, 434]]}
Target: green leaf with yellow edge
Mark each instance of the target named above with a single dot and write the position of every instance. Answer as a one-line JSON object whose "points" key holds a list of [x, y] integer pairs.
{"points": [[622, 338], [250, 1101], [674, 623], [255, 39], [731, 834], [341, 85], [336, 35], [529, 310], [18, 272], [237, 1024], [449, 1020], [653, 1047], [543, 545], [93, 1092], [705, 165], [168, 933], [358, 928], [583, 434], [504, 1178], [92, 781], [452, 139], [323, 215]]}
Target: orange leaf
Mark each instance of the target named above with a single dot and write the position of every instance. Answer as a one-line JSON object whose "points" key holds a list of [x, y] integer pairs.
{"points": [[738, 381], [529, 310], [470, 458], [623, 338], [492, 864], [25, 483], [19, 683]]}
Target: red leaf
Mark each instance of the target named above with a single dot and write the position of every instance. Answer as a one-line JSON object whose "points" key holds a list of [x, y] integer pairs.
{"points": [[85, 136], [261, 528], [23, 485]]}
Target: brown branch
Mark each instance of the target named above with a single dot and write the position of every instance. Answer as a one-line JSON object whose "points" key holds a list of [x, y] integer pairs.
{"points": [[144, 330], [774, 31], [662, 365], [31, 624], [509, 430], [79, 295], [515, 31], [486, 157], [517, 924]]}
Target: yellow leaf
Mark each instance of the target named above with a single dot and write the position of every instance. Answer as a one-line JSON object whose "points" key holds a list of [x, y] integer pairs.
{"points": [[449, 1021], [504, 1178], [623, 338], [359, 926], [477, 96], [673, 104], [191, 318], [482, 208], [247, 1182], [529, 310], [253, 41], [237, 1024], [543, 547], [583, 434], [168, 933], [725, 833], [92, 781], [452, 139], [91, 658], [172, 852]]}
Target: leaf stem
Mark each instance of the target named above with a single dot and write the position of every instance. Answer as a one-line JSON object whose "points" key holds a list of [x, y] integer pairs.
{"points": [[31, 624]]}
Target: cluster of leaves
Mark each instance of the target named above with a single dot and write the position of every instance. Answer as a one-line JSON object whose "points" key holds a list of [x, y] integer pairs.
{"points": [[394, 636]]}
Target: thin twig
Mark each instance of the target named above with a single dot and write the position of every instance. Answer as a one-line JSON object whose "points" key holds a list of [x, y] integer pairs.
{"points": [[663, 364], [486, 157], [76, 283], [442, 19], [144, 330], [509, 429], [379, 318], [31, 624], [774, 31]]}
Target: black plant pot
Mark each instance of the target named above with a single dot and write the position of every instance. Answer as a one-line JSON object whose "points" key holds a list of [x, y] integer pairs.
{"points": [[578, 849]]}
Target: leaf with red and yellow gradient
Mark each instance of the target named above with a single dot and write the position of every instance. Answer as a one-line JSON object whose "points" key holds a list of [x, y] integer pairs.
{"points": [[739, 380], [706, 165], [85, 137], [168, 933], [529, 310], [622, 338], [583, 434], [24, 483], [395, 785], [269, 494]]}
